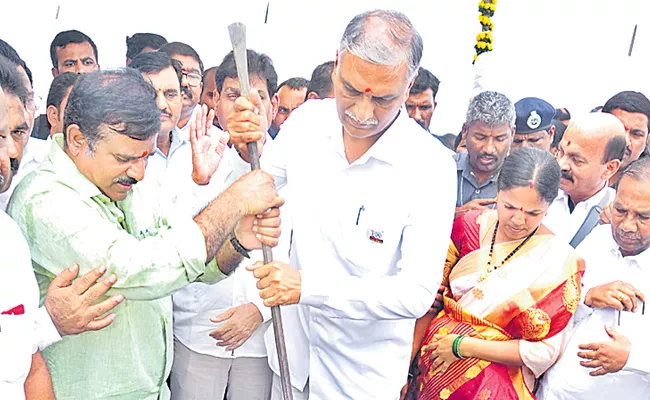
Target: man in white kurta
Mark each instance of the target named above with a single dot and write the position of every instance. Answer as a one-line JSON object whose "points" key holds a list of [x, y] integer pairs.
{"points": [[589, 154], [608, 336], [370, 230], [369, 242]]}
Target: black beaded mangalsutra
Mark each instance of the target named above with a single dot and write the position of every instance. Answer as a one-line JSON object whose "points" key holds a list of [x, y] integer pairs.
{"points": [[490, 267]]}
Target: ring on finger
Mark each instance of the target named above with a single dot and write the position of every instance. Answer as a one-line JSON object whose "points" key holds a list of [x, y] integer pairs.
{"points": [[620, 297]]}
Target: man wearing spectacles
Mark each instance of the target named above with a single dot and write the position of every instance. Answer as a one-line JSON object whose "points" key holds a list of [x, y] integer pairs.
{"points": [[191, 85]]}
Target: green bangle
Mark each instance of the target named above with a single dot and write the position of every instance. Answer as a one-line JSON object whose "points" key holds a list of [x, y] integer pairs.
{"points": [[455, 347]]}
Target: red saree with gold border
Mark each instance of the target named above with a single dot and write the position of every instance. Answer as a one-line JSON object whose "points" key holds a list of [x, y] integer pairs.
{"points": [[531, 298]]}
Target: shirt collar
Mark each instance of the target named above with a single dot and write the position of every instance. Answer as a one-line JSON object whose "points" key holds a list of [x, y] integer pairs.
{"points": [[388, 148], [68, 173], [593, 200], [183, 134], [641, 260], [462, 164], [34, 151]]}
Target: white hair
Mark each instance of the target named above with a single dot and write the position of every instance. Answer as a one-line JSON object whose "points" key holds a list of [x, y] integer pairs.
{"points": [[399, 43]]}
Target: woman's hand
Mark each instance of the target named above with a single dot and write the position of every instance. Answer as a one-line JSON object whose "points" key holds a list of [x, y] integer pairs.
{"points": [[441, 355]]}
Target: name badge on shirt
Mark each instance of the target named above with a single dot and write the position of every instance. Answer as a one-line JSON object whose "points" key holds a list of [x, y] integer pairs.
{"points": [[375, 236]]}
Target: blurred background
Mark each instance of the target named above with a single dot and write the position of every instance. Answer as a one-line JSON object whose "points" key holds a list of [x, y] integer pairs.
{"points": [[572, 53]]}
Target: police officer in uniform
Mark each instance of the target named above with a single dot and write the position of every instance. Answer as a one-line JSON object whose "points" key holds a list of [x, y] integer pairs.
{"points": [[534, 124]]}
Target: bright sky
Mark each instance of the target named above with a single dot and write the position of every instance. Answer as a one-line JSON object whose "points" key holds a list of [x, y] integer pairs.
{"points": [[573, 53]]}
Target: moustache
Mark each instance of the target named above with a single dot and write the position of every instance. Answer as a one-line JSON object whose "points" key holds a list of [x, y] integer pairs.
{"points": [[627, 236], [628, 151], [14, 165], [567, 175], [369, 122], [126, 180], [421, 123], [487, 155], [187, 92]]}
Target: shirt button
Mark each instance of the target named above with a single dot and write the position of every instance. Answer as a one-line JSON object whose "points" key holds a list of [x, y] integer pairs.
{"points": [[120, 220], [477, 191]]}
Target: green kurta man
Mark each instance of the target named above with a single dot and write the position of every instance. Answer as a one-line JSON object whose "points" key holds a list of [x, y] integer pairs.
{"points": [[84, 205]]}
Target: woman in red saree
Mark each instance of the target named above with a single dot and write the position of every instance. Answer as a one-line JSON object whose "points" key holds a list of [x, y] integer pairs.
{"points": [[510, 291]]}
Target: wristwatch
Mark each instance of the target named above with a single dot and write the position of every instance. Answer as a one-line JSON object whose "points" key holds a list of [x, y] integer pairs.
{"points": [[238, 246]]}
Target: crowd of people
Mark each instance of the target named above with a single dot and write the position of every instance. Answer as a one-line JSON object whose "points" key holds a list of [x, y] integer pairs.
{"points": [[134, 225]]}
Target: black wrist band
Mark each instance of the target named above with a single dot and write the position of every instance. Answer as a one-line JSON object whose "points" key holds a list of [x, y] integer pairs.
{"points": [[238, 246]]}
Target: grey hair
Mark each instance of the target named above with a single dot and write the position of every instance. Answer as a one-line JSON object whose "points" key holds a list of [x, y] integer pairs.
{"points": [[528, 166], [491, 108], [399, 43], [638, 170]]}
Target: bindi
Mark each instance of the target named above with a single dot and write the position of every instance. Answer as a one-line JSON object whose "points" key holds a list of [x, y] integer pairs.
{"points": [[146, 153], [368, 90], [568, 143]]}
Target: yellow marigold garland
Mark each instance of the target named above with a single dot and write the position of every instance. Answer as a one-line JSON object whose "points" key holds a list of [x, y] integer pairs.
{"points": [[484, 40]]}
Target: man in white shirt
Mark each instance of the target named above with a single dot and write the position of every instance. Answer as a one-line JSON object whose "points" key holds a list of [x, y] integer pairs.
{"points": [[239, 362], [24, 327], [192, 79], [27, 155], [171, 164], [607, 355], [368, 240], [589, 154]]}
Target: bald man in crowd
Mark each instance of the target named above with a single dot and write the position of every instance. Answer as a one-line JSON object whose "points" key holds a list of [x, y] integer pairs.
{"points": [[589, 154]]}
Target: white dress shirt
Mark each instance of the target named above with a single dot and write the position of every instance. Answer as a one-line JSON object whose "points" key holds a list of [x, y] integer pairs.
{"points": [[173, 172], [34, 152], [196, 303], [567, 379], [564, 223], [370, 238], [30, 327]]}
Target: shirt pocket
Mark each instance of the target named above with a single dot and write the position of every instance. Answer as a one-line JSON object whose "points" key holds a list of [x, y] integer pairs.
{"points": [[371, 246], [16, 347]]}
